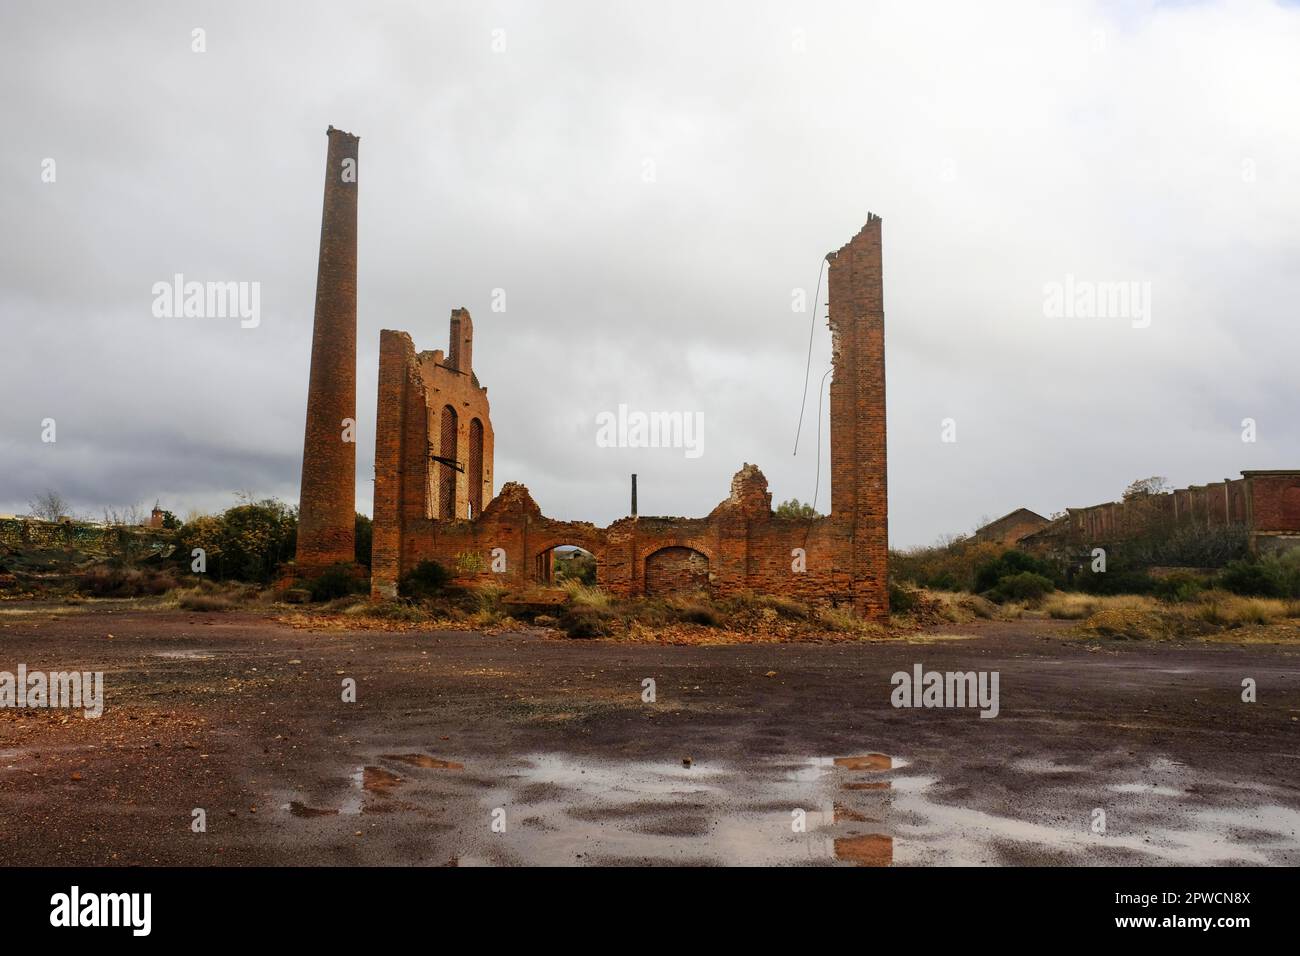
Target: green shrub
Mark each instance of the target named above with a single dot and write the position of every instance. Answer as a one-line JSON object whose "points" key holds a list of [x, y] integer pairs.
{"points": [[577, 566], [902, 600], [247, 542], [944, 567], [1022, 586], [335, 582], [428, 579], [1008, 564], [794, 508], [1179, 587], [1116, 579], [1265, 577], [1186, 546], [364, 530]]}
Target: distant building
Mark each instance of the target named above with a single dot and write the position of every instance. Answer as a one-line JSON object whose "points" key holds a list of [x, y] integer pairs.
{"points": [[1010, 528], [1263, 504]]}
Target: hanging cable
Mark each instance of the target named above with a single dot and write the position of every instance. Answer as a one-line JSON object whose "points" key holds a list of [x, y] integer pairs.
{"points": [[812, 327], [821, 390]]}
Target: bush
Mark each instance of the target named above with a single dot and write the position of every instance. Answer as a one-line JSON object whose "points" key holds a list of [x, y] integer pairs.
{"points": [[1187, 546], [949, 567], [1254, 578], [335, 582], [427, 579], [364, 531], [1009, 563], [578, 566], [785, 607], [694, 612], [902, 600], [587, 620], [388, 610], [1071, 607], [1179, 587], [195, 601], [247, 542], [580, 593], [1117, 579], [1023, 586], [124, 582], [794, 508], [1270, 576]]}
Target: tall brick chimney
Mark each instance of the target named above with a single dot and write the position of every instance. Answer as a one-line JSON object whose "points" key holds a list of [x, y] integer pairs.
{"points": [[859, 499], [327, 500], [460, 353]]}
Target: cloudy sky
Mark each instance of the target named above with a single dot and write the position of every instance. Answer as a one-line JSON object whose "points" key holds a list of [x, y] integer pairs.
{"points": [[650, 183]]}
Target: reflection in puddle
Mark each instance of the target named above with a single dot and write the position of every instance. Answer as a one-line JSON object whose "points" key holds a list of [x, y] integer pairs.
{"points": [[868, 762], [858, 810], [378, 780], [872, 849], [425, 761], [575, 811]]}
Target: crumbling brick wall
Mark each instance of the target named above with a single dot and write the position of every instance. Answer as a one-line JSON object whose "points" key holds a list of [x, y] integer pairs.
{"points": [[423, 470], [745, 545], [740, 546], [1272, 501], [1266, 504], [859, 495]]}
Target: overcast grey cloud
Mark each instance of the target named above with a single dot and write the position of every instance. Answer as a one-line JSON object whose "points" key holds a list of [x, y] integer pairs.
{"points": [[1006, 148]]}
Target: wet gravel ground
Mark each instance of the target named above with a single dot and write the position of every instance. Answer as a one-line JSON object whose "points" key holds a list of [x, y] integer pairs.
{"points": [[464, 748]]}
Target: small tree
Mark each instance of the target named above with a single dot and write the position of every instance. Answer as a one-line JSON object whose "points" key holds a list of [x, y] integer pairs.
{"points": [[363, 538], [1145, 487], [49, 505], [794, 508], [426, 580]]}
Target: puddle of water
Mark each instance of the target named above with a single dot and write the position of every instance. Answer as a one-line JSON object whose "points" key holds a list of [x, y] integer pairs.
{"points": [[854, 810], [781, 812], [1150, 788], [872, 849], [425, 761], [1033, 765], [867, 762], [378, 780], [185, 655]]}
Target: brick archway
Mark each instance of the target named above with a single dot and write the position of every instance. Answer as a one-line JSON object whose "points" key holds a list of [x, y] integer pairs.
{"points": [[676, 569], [543, 557]]}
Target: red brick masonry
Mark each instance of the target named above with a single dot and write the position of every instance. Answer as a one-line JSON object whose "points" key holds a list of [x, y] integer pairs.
{"points": [[1265, 503], [327, 501], [740, 545]]}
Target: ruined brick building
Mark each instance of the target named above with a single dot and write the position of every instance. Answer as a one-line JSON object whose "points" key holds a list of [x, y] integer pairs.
{"points": [[1011, 527], [434, 453], [1265, 505]]}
